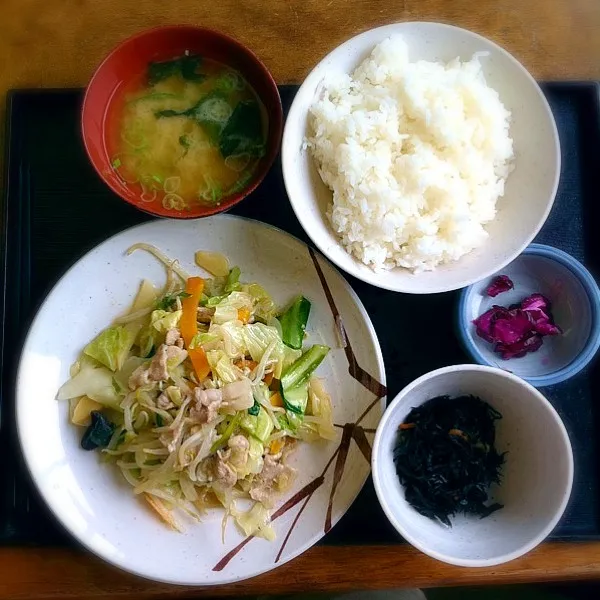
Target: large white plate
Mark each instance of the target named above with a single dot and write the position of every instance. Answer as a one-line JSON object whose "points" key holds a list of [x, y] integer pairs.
{"points": [[93, 502]]}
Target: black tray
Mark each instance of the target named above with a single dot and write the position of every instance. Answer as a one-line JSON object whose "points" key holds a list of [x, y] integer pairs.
{"points": [[56, 209]]}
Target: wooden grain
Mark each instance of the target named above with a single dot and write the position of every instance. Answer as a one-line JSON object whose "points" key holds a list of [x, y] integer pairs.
{"points": [[56, 43], [69, 574], [59, 42]]}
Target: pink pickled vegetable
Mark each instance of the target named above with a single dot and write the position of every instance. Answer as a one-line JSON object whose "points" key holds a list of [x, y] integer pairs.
{"points": [[548, 328], [535, 301], [500, 284], [519, 329], [530, 343], [538, 309], [483, 324], [513, 328]]}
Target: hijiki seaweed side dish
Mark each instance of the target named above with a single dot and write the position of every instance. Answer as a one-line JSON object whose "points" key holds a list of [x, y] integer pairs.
{"points": [[446, 459]]}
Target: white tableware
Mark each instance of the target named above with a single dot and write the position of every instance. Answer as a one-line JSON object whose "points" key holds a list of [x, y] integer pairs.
{"points": [[536, 478], [575, 302], [530, 188], [92, 500]]}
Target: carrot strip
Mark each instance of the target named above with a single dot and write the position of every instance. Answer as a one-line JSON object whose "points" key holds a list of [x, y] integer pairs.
{"points": [[276, 446], [243, 315], [276, 399], [188, 325]]}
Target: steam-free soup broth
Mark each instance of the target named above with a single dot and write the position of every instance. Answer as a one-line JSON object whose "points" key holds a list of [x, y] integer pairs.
{"points": [[192, 133]]}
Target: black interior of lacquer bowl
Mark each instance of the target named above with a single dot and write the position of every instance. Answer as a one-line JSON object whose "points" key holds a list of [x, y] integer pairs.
{"points": [[56, 208]]}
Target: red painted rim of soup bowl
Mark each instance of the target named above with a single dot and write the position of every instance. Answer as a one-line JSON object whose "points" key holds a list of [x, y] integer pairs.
{"points": [[129, 59]]}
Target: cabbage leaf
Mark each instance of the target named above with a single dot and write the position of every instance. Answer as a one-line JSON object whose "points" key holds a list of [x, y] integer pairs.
{"points": [[256, 521], [96, 383], [163, 320], [112, 345], [227, 308]]}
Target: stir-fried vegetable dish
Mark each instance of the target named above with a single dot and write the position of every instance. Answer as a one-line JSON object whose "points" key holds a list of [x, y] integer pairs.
{"points": [[201, 393]]}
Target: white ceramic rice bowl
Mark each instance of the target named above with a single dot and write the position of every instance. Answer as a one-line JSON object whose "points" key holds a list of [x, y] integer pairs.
{"points": [[537, 475], [530, 188]]}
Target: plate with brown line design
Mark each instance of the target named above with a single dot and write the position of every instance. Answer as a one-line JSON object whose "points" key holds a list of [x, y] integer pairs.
{"points": [[93, 501]]}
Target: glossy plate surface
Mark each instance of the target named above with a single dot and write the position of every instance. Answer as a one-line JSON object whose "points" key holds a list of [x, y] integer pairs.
{"points": [[91, 499]]}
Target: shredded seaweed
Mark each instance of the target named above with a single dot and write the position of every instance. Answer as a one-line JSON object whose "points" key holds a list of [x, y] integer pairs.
{"points": [[445, 457]]}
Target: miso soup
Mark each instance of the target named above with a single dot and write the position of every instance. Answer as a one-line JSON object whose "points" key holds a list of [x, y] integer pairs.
{"points": [[191, 133]]}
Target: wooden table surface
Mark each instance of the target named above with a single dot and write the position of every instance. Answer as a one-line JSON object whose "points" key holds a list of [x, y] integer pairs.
{"points": [[56, 43]]}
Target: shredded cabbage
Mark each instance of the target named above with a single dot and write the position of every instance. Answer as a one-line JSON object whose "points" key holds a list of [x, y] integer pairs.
{"points": [[231, 334], [223, 369], [264, 307], [124, 373]]}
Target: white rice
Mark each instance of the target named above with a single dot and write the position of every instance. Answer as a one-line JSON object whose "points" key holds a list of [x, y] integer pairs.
{"points": [[416, 155]]}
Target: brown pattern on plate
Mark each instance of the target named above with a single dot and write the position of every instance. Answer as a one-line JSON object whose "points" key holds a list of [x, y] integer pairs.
{"points": [[351, 431]]}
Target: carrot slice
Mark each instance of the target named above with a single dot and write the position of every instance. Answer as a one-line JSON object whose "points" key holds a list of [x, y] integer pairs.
{"points": [[243, 315], [243, 363], [163, 512], [276, 399], [188, 325], [276, 446]]}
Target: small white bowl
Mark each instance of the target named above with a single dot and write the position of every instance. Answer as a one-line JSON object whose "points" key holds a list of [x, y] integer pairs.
{"points": [[537, 474], [530, 188], [575, 300]]}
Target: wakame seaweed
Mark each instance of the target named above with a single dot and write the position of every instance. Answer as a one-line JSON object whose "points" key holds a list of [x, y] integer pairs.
{"points": [[186, 66], [98, 433], [237, 132], [211, 112], [243, 132], [446, 459]]}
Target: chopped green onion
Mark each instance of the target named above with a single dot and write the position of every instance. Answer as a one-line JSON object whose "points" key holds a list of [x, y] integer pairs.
{"points": [[168, 301], [227, 433]]}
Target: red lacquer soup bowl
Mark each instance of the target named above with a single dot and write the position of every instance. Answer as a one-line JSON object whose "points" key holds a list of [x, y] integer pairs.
{"points": [[127, 63]]}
